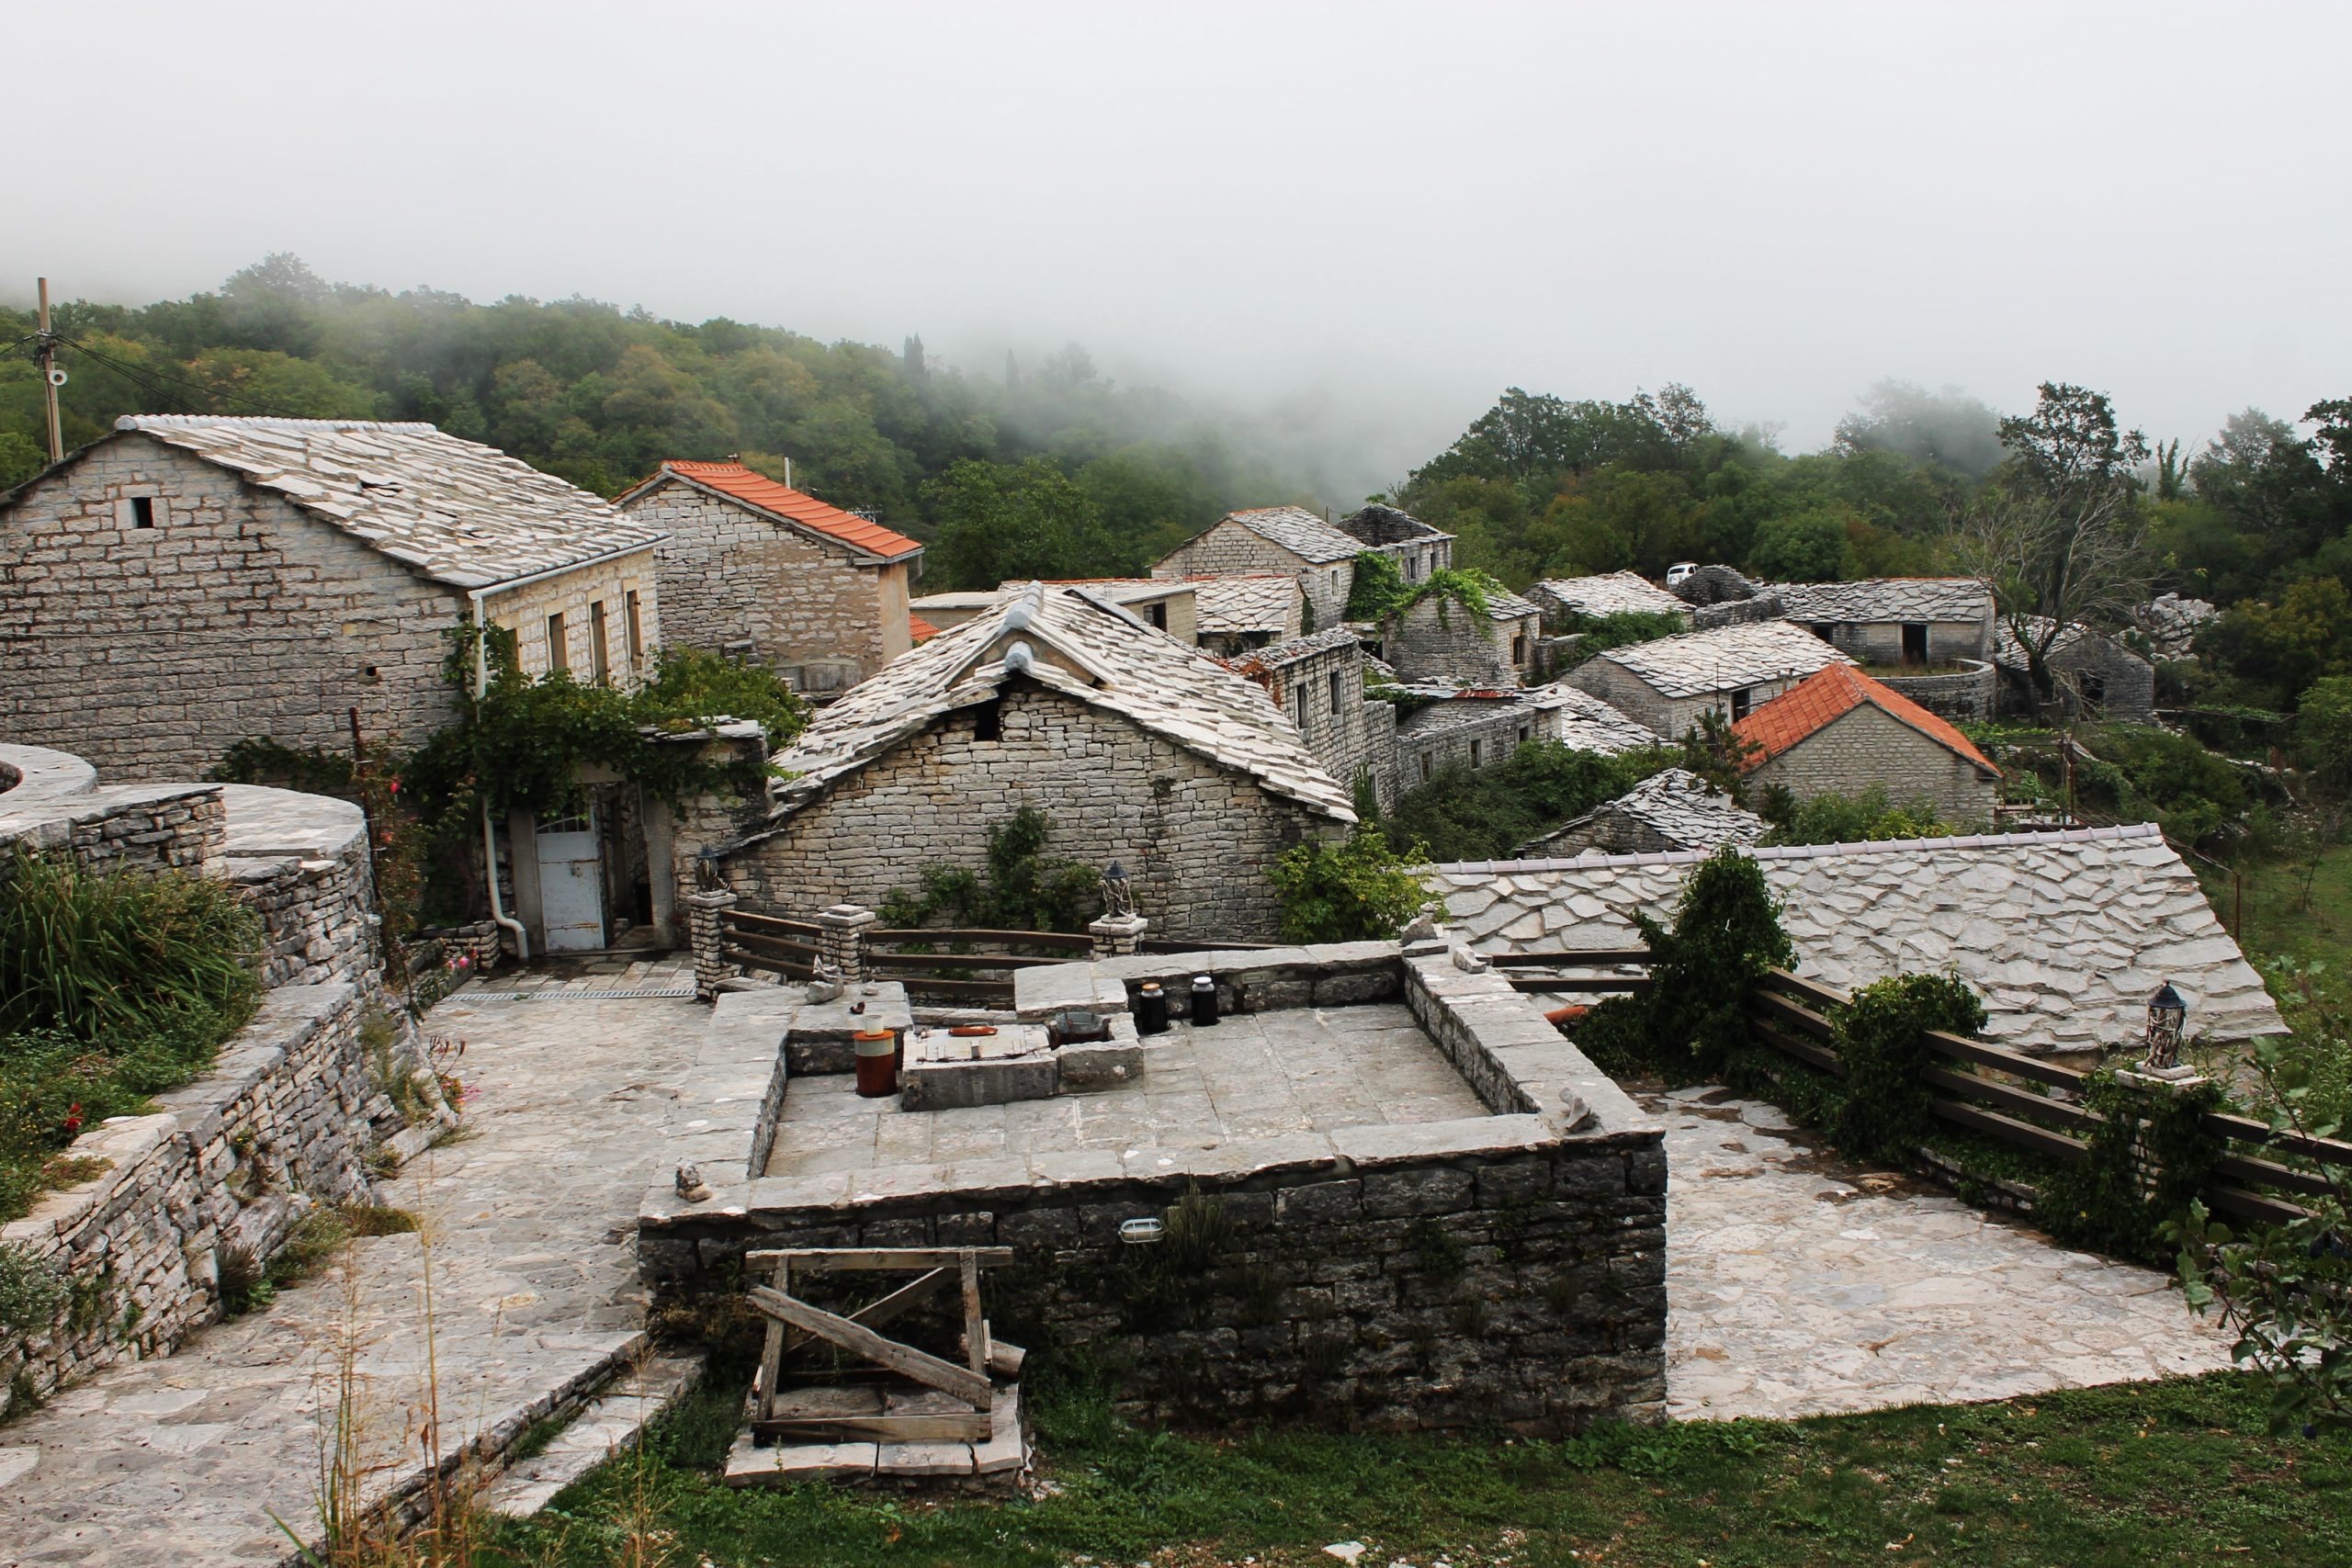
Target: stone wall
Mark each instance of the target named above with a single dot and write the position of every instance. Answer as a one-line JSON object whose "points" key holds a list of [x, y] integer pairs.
{"points": [[229, 1164], [1735, 612], [1472, 731], [599, 589], [1322, 693], [1967, 695], [1440, 639], [1195, 837], [1229, 550], [129, 827], [2115, 682], [1866, 745], [1671, 716], [301, 860], [1880, 642], [149, 651], [730, 577]]}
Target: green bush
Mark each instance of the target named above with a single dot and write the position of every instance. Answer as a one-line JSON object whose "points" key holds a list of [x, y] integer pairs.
{"points": [[1880, 1110], [1021, 888], [1598, 633], [1486, 813], [1849, 819], [1692, 1021], [1356, 890], [30, 1292], [1376, 588]]}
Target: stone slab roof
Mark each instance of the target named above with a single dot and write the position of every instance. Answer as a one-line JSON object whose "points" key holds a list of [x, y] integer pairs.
{"points": [[1679, 807], [1274, 655], [1582, 722], [458, 511], [2066, 935], [1376, 524], [1724, 659], [1303, 532], [1502, 605], [1072, 640], [2009, 654], [1805, 709], [1261, 602], [1613, 593], [755, 491], [1885, 599]]}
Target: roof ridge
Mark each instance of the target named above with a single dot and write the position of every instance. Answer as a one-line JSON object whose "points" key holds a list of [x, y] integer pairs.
{"points": [[2118, 833], [276, 421]]}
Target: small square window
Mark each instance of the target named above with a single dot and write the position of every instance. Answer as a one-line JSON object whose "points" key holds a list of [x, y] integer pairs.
{"points": [[142, 511]]}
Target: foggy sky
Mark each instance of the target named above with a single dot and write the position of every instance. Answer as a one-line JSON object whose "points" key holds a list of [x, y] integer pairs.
{"points": [[1382, 213]]}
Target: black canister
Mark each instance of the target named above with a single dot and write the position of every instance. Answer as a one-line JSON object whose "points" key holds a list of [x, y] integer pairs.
{"points": [[1203, 1000], [1151, 1010]]}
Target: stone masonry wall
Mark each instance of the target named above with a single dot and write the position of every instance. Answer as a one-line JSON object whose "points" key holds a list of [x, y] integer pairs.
{"points": [[1671, 716], [1228, 549], [1865, 747], [579, 595], [2127, 681], [1880, 642], [1442, 639], [729, 576], [133, 828], [1195, 838], [1465, 730], [1322, 695], [1967, 695], [229, 1163], [149, 651], [316, 912]]}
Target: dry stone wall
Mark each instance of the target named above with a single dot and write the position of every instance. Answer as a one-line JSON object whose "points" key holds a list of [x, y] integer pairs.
{"points": [[1671, 717], [1195, 838], [1440, 639], [730, 577], [223, 1169], [1967, 695], [581, 596], [1865, 747]]}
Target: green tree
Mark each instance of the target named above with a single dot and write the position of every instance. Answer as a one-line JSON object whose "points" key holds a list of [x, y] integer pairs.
{"points": [[1000, 523], [2323, 730], [1356, 890], [1802, 547]]}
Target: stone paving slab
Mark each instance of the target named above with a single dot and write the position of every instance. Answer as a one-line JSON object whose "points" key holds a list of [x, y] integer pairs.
{"points": [[1798, 1285], [531, 1216]]}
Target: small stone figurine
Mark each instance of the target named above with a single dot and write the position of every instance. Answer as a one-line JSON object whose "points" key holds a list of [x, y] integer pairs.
{"points": [[824, 982], [691, 1186]]}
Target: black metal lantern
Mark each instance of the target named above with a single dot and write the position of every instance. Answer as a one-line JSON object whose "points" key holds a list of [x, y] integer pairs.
{"points": [[1118, 897], [2167, 1014]]}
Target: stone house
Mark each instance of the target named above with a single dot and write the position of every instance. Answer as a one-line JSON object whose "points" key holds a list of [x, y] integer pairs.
{"points": [[1234, 615], [1567, 600], [188, 581], [1668, 683], [1840, 732], [2064, 935], [752, 568], [1169, 606], [1140, 750], [1675, 810], [1437, 638], [1290, 541], [2098, 675], [1478, 728], [1415, 547], [1318, 682], [1895, 622]]}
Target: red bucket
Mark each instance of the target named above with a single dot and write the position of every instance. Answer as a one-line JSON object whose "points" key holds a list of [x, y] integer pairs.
{"points": [[878, 1063]]}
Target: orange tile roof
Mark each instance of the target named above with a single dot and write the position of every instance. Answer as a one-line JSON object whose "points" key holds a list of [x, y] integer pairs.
{"points": [[756, 489], [919, 628], [1838, 690]]}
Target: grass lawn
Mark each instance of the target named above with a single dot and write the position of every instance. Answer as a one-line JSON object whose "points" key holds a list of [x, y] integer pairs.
{"points": [[2168, 1473], [2278, 922]]}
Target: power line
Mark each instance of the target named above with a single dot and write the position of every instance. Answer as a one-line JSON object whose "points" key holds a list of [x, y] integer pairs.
{"points": [[146, 376]]}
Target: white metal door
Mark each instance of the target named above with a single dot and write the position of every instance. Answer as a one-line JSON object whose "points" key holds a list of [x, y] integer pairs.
{"points": [[572, 883]]}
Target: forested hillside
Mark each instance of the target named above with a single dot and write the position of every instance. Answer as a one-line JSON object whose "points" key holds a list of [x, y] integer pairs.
{"points": [[599, 396]]}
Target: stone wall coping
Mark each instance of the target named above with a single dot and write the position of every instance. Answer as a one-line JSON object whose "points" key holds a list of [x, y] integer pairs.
{"points": [[58, 814], [38, 772], [263, 821]]}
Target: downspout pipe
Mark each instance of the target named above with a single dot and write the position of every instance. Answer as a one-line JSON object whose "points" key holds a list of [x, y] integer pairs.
{"points": [[490, 834]]}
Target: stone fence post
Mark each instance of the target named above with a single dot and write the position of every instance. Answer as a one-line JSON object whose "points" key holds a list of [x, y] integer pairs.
{"points": [[704, 911], [1117, 936], [843, 940]]}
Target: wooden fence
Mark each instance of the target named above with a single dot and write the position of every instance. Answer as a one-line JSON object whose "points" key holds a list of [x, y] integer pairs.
{"points": [[770, 942], [1982, 1087], [969, 966]]}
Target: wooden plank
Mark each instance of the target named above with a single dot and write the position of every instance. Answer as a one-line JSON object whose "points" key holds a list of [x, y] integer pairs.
{"points": [[1783, 1012], [956, 960], [2009, 1129], [1572, 958], [772, 1348], [939, 1429], [873, 1315], [2326, 1151], [1058, 942], [775, 946], [1803, 1050], [829, 1401], [2009, 1096], [2267, 1173], [775, 923], [2252, 1205], [2011, 1061], [976, 1327], [837, 1259], [1811, 991], [772, 965], [1004, 1360], [858, 1340], [1161, 944]]}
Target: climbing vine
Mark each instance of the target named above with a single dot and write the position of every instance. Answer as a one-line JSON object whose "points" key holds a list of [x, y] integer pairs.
{"points": [[2148, 1160], [1019, 887]]}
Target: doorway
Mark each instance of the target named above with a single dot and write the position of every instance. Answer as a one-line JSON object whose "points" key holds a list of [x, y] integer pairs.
{"points": [[572, 881]]}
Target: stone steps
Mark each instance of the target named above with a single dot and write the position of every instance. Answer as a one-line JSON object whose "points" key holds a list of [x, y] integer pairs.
{"points": [[611, 1422]]}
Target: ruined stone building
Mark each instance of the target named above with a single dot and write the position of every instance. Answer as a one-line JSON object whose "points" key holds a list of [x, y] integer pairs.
{"points": [[2099, 677], [1317, 683], [189, 580], [1564, 600], [1140, 750], [1290, 541], [1437, 637], [1840, 733], [755, 568], [1480, 729], [1666, 684], [1675, 810]]}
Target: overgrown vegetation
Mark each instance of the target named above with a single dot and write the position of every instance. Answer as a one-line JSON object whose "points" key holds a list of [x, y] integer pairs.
{"points": [[1360, 889], [112, 988], [1019, 888], [1465, 814], [2117, 1477], [1598, 633], [1850, 819]]}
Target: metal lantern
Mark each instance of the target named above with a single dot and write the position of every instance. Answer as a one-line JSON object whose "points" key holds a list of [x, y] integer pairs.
{"points": [[2166, 1013], [1118, 897]]}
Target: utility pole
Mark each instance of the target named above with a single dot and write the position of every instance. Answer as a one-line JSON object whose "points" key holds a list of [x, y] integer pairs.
{"points": [[52, 377]]}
